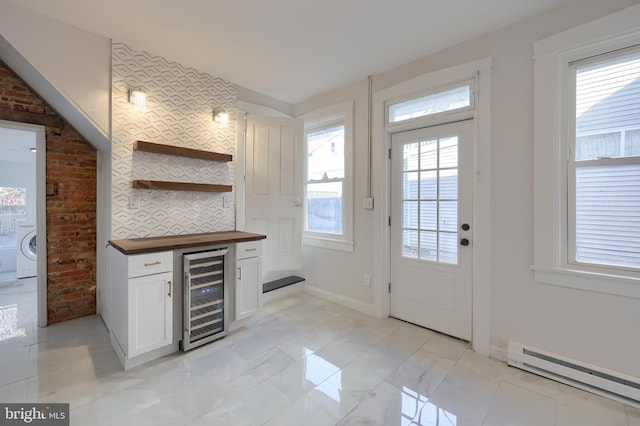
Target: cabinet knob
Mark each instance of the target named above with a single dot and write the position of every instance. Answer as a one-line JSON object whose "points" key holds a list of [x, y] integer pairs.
{"points": [[170, 286]]}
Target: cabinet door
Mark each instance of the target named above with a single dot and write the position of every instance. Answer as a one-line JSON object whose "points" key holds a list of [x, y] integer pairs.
{"points": [[150, 313], [248, 287]]}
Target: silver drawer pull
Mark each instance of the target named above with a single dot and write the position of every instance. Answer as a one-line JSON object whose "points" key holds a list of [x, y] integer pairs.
{"points": [[157, 262], [250, 249]]}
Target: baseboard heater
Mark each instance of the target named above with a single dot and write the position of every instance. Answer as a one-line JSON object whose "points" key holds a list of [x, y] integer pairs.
{"points": [[607, 383]]}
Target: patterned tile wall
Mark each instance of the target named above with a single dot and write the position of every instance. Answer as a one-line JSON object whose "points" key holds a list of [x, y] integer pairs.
{"points": [[180, 102]]}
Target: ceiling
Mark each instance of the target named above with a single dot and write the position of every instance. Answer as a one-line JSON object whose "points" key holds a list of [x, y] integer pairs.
{"points": [[290, 49]]}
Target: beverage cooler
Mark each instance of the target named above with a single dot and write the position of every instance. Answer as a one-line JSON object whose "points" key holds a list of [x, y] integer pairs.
{"points": [[205, 298]]}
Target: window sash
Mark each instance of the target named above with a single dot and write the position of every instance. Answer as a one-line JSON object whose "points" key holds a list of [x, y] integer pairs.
{"points": [[322, 228], [321, 208], [449, 99], [602, 210]]}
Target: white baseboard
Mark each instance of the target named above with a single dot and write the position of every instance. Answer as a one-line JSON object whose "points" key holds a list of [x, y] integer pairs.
{"points": [[366, 308], [498, 352], [282, 292]]}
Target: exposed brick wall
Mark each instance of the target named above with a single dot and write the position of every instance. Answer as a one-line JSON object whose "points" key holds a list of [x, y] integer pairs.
{"points": [[71, 211]]}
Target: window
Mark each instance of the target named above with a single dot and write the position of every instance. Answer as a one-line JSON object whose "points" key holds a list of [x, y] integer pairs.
{"points": [[443, 100], [328, 178], [604, 173], [587, 156], [325, 180]]}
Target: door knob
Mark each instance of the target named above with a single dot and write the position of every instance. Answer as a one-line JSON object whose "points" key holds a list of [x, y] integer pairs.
{"points": [[464, 242]]}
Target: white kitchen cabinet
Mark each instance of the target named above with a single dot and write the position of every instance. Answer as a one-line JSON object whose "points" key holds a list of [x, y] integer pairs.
{"points": [[150, 313], [248, 297], [142, 320]]}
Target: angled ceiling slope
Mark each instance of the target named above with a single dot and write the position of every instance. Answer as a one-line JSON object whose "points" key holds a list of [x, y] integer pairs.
{"points": [[67, 109]]}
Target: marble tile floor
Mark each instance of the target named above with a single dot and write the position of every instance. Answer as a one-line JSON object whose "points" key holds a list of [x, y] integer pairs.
{"points": [[302, 361], [18, 306]]}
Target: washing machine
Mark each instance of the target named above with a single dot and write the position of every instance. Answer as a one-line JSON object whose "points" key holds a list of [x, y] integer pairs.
{"points": [[26, 265]]}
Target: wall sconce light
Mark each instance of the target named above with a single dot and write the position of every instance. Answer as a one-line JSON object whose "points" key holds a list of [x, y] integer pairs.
{"points": [[139, 99], [221, 118]]}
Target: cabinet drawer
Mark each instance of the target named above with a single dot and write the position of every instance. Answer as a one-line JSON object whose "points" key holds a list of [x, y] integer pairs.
{"points": [[248, 249], [150, 263]]}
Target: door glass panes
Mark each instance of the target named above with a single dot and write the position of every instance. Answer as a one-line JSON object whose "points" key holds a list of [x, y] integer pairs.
{"points": [[429, 187], [430, 200], [435, 103], [429, 246]]}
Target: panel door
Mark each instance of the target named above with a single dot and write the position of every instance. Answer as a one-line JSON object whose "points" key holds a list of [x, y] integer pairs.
{"points": [[273, 200], [431, 228]]}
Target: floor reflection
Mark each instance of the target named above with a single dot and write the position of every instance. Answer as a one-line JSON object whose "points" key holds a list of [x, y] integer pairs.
{"points": [[18, 308], [417, 410], [9, 323], [317, 369]]}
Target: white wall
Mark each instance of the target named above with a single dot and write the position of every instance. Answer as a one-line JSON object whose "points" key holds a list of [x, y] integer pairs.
{"points": [[339, 274], [595, 328], [76, 63]]}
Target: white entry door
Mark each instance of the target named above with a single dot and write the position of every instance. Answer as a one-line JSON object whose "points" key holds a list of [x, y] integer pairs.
{"points": [[273, 191], [431, 228]]}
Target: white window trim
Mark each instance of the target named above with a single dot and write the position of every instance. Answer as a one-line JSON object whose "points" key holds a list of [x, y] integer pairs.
{"points": [[340, 113], [551, 97]]}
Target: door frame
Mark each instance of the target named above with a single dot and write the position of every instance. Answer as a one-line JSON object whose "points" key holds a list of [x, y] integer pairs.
{"points": [[41, 213], [481, 270]]}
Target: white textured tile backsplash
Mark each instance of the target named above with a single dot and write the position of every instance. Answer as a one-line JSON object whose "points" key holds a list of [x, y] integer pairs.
{"points": [[180, 103]]}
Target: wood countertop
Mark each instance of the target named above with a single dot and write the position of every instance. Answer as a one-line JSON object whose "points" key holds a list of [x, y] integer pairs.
{"points": [[174, 242]]}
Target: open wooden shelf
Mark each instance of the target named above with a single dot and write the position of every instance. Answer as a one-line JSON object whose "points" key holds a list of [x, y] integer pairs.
{"points": [[180, 186], [157, 148]]}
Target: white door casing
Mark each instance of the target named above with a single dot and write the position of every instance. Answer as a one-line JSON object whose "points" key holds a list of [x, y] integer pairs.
{"points": [[431, 227], [273, 190]]}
